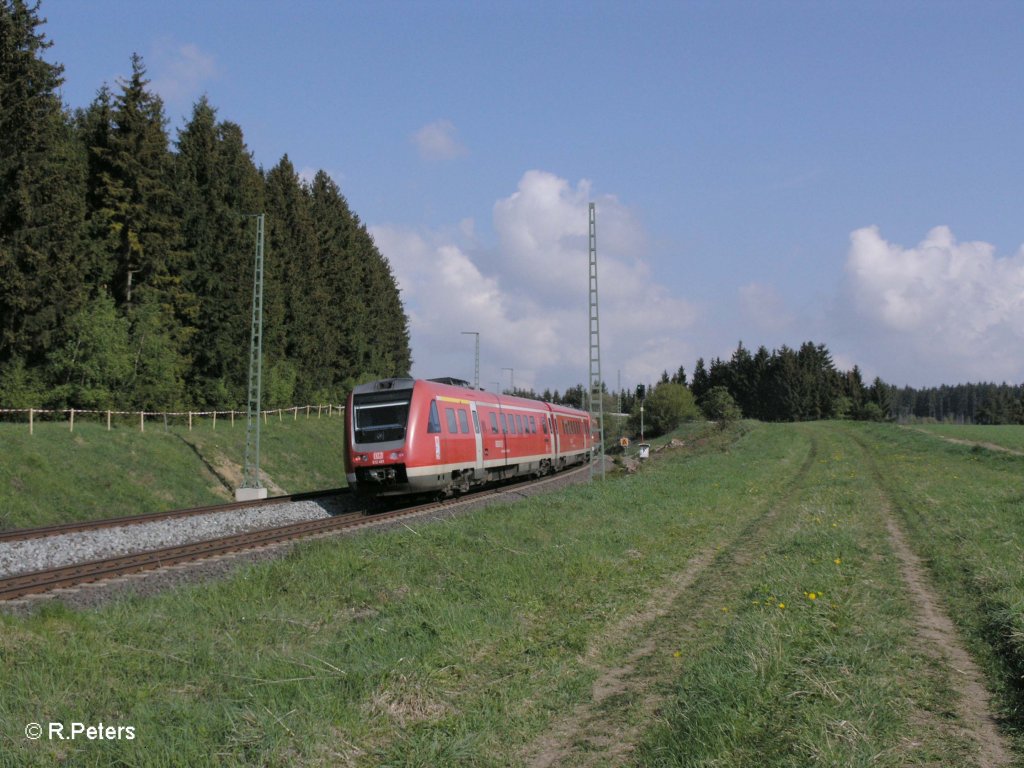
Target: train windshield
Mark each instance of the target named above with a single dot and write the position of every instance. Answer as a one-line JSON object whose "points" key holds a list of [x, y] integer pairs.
{"points": [[380, 417]]}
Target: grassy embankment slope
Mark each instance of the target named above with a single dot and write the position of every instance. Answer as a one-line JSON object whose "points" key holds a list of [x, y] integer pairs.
{"points": [[56, 475], [740, 603]]}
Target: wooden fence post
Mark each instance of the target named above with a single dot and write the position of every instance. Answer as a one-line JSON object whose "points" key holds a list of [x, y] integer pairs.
{"points": [[72, 419], [108, 421], [30, 425], [190, 421], [142, 421], [214, 421]]}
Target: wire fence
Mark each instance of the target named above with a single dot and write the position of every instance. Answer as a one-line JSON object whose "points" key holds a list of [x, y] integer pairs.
{"points": [[140, 417]]}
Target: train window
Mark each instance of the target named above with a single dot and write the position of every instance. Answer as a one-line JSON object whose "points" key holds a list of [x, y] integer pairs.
{"points": [[434, 422], [476, 423], [544, 424], [494, 422], [512, 424], [519, 424], [533, 425], [463, 422], [453, 425], [504, 425]]}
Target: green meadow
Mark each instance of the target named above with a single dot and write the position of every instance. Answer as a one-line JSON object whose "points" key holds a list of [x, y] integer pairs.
{"points": [[737, 602]]}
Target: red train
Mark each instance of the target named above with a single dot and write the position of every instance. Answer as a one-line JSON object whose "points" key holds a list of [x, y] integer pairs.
{"points": [[443, 436]]}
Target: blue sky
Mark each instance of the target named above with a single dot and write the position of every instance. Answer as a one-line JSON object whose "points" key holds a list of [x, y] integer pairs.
{"points": [[848, 173]]}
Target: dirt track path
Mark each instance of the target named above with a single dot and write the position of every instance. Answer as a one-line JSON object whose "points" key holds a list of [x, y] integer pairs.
{"points": [[591, 735], [940, 639], [973, 443], [606, 728]]}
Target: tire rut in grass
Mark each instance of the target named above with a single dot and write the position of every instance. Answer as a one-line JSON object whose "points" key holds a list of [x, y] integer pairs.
{"points": [[591, 734], [939, 636]]}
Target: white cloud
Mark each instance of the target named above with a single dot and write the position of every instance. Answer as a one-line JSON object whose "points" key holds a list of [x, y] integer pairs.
{"points": [[438, 141], [944, 310], [180, 71], [529, 299]]}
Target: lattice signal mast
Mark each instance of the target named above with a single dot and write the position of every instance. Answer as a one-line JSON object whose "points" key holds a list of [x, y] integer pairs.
{"points": [[251, 488], [596, 400]]}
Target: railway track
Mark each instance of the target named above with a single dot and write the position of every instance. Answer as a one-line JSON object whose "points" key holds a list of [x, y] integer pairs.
{"points": [[37, 582]]}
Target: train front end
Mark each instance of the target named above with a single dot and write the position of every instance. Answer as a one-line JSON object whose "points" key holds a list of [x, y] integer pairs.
{"points": [[377, 423]]}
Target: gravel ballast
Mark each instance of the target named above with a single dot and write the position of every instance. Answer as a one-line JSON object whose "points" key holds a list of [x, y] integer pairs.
{"points": [[67, 549]]}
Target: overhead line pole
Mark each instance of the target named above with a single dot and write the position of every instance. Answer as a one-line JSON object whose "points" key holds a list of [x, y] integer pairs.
{"points": [[251, 488], [596, 400], [476, 367]]}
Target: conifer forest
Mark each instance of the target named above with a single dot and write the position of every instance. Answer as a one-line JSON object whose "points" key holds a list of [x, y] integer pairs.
{"points": [[126, 254]]}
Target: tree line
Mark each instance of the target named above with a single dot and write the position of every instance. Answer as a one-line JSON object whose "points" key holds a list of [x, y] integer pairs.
{"points": [[979, 403], [789, 384], [126, 263]]}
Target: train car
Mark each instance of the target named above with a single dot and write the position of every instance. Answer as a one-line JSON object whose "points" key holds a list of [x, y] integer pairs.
{"points": [[409, 436]]}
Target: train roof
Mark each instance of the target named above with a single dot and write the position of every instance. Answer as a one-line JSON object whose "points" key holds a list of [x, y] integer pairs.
{"points": [[458, 387]]}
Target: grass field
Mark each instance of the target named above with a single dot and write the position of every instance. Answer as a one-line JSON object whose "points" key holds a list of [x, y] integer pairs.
{"points": [[747, 601], [56, 475]]}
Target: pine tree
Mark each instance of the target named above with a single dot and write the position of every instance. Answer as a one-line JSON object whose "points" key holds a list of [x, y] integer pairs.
{"points": [[386, 334], [218, 191], [94, 127], [137, 199], [292, 274], [701, 383], [41, 190], [346, 311]]}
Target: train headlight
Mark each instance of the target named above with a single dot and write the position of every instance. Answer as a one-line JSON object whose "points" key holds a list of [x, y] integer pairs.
{"points": [[396, 455]]}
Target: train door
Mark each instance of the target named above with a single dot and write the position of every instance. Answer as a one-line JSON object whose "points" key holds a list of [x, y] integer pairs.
{"points": [[478, 472], [549, 436], [506, 433]]}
